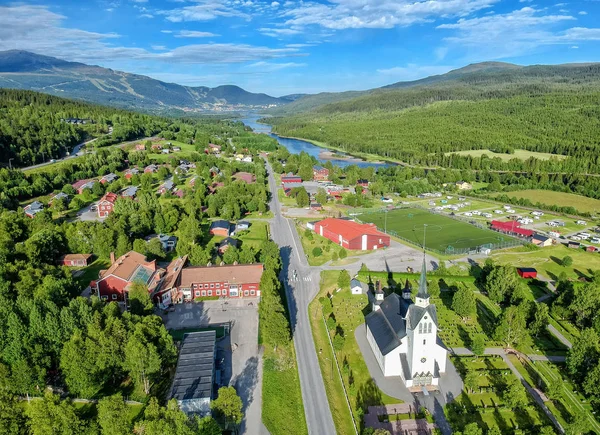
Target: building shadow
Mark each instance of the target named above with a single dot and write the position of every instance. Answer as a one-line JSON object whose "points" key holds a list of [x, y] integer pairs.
{"points": [[368, 394], [245, 384]]}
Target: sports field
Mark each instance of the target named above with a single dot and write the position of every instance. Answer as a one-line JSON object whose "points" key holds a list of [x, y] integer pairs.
{"points": [[443, 233]]}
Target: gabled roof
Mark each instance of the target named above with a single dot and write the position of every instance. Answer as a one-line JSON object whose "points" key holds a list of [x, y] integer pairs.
{"points": [[540, 238], [131, 191], [130, 266], [110, 197], [34, 206], [349, 229], [220, 224], [233, 274]]}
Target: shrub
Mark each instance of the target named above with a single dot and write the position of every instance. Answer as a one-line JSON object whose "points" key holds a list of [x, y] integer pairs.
{"points": [[567, 261], [343, 253], [317, 252]]}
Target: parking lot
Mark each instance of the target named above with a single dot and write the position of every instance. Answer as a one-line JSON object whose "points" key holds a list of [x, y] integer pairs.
{"points": [[242, 365]]}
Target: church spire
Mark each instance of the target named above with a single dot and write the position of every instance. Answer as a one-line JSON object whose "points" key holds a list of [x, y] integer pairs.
{"points": [[423, 294]]}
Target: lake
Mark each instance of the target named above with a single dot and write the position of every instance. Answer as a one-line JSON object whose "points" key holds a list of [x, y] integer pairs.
{"points": [[296, 146]]}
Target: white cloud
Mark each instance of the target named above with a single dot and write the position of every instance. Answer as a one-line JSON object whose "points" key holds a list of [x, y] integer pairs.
{"points": [[205, 10], [263, 66], [276, 33], [514, 33], [195, 34], [354, 14], [146, 16], [583, 13], [139, 1], [158, 47], [37, 29], [275, 4], [166, 31], [574, 47]]}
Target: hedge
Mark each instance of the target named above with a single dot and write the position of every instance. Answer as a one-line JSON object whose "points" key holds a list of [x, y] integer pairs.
{"points": [[401, 276]]}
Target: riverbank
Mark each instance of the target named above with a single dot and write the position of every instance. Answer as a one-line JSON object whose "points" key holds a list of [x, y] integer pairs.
{"points": [[354, 157]]}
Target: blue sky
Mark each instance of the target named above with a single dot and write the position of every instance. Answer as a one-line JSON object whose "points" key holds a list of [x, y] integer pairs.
{"points": [[283, 47]]}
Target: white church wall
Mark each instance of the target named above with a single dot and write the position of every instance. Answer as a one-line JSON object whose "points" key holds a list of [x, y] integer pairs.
{"points": [[376, 351], [393, 365]]}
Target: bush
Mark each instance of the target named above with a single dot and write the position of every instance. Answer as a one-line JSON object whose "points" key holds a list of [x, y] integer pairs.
{"points": [[567, 261], [317, 252], [334, 256], [343, 253]]}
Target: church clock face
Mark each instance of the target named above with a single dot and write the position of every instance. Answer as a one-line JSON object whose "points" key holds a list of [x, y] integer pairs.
{"points": [[423, 360]]}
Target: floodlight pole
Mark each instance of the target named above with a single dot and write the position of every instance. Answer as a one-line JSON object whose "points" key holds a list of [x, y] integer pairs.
{"points": [[385, 222]]}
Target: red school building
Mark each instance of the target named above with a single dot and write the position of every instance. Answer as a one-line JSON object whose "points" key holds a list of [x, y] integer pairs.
{"points": [[352, 235]]}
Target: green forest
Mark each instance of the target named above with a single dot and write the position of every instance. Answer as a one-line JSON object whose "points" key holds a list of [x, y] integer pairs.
{"points": [[554, 113], [33, 126]]}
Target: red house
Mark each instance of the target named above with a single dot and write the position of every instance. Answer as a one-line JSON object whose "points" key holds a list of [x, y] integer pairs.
{"points": [[220, 228], [527, 272], [75, 260], [114, 282], [363, 183], [131, 172], [106, 204], [80, 185], [511, 227], [320, 173], [352, 235]]}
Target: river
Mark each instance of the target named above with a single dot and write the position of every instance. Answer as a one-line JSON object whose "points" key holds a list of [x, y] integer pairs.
{"points": [[296, 146]]}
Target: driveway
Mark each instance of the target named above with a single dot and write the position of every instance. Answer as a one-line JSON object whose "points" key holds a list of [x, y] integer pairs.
{"points": [[396, 258], [86, 213], [242, 366]]}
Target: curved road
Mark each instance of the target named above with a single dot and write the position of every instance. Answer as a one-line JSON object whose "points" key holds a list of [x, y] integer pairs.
{"points": [[299, 293]]}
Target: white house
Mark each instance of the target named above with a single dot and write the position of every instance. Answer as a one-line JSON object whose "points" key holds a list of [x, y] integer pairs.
{"points": [[403, 337], [357, 287]]}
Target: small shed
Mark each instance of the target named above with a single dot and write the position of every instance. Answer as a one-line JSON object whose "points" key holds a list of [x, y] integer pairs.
{"points": [[357, 287], [75, 260], [574, 245], [541, 240], [527, 272], [591, 249]]}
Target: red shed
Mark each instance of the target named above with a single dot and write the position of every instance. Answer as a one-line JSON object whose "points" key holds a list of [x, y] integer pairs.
{"points": [[352, 235], [75, 260], [527, 272]]}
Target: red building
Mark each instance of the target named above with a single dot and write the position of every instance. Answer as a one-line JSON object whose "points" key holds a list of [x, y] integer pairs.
{"points": [[527, 272], [511, 227], [75, 260], [290, 179], [352, 235], [234, 281], [320, 173], [113, 283], [220, 228], [80, 185], [131, 172], [363, 183], [246, 177], [106, 204]]}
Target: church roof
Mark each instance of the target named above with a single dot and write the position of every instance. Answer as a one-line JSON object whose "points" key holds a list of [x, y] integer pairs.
{"points": [[387, 324], [416, 313]]}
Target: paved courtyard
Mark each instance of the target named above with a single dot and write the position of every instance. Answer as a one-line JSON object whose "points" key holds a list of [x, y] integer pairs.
{"points": [[242, 359]]}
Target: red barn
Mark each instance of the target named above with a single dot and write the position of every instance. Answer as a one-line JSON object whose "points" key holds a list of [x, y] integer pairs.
{"points": [[352, 235], [511, 227], [290, 179], [527, 272], [75, 260], [320, 173], [106, 204]]}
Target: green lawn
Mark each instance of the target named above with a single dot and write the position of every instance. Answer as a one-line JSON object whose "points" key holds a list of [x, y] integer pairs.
{"points": [[518, 154], [91, 272], [547, 260], [255, 235], [349, 311], [282, 408], [548, 197], [485, 405], [443, 233]]}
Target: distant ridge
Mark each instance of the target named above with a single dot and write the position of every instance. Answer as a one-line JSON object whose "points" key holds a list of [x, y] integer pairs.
{"points": [[25, 70]]}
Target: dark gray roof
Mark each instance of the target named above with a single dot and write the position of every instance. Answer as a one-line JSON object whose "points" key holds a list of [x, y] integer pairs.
{"points": [[355, 283], [423, 294], [130, 191], [195, 368], [416, 313], [405, 369], [382, 332], [35, 206], [110, 177], [220, 224]]}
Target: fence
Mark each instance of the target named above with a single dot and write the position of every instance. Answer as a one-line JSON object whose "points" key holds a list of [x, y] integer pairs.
{"points": [[450, 250]]}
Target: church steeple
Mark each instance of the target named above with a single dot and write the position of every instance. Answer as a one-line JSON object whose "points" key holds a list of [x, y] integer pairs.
{"points": [[423, 294]]}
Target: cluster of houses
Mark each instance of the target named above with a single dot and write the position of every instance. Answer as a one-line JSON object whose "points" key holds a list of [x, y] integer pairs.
{"points": [[177, 282]]}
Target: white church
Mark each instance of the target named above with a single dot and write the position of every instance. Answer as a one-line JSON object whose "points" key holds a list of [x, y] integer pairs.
{"points": [[403, 336]]}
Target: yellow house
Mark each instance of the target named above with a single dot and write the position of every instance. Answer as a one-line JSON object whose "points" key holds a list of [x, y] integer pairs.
{"points": [[463, 185]]}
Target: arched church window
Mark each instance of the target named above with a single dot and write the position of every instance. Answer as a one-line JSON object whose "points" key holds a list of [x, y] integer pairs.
{"points": [[429, 328], [420, 328]]}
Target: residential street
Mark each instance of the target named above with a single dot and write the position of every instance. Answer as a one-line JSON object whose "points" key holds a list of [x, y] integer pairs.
{"points": [[299, 293]]}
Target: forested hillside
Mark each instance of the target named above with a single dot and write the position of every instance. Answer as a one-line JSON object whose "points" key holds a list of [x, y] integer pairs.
{"points": [[541, 109], [33, 126]]}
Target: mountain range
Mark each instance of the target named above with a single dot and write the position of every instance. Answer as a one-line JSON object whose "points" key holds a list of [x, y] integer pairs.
{"points": [[25, 70]]}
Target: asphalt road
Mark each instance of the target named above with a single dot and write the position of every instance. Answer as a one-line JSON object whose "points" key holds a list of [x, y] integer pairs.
{"points": [[299, 293]]}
